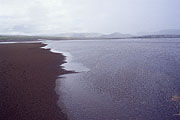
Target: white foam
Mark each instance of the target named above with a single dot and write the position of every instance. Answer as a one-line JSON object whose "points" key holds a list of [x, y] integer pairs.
{"points": [[21, 42], [69, 65], [7, 42]]}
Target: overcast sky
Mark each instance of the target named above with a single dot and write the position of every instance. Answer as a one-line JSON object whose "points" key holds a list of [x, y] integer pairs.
{"points": [[104, 16]]}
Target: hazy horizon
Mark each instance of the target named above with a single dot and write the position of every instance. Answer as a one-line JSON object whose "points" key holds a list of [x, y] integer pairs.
{"points": [[81, 16]]}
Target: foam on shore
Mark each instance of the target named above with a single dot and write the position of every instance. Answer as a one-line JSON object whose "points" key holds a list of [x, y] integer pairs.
{"points": [[69, 65]]}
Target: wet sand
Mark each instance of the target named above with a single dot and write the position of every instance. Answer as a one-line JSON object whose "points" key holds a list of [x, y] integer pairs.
{"points": [[27, 82]]}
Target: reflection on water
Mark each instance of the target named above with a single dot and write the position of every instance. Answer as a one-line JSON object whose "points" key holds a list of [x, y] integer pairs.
{"points": [[121, 79]]}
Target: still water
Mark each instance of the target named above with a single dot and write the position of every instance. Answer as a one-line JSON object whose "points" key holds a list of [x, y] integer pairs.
{"points": [[135, 79]]}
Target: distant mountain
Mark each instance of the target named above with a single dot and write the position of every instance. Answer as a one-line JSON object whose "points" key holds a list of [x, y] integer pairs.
{"points": [[116, 35], [162, 32], [167, 32], [80, 35], [93, 35], [158, 36]]}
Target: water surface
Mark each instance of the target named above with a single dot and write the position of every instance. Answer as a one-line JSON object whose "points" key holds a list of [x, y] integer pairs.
{"points": [[120, 79]]}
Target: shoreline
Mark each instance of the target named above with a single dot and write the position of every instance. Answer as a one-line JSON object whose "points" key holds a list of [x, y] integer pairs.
{"points": [[28, 76]]}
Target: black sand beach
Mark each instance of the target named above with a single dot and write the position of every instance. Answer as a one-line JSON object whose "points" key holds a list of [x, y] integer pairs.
{"points": [[27, 82]]}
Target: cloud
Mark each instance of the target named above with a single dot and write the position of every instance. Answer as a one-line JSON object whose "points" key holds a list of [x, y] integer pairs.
{"points": [[57, 16], [38, 16]]}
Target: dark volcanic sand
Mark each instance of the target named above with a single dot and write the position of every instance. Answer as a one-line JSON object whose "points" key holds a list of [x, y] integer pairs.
{"points": [[27, 82]]}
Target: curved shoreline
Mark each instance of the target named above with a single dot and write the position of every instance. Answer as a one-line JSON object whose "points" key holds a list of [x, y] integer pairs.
{"points": [[27, 82]]}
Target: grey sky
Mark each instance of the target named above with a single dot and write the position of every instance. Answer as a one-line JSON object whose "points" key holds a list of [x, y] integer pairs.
{"points": [[104, 16]]}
